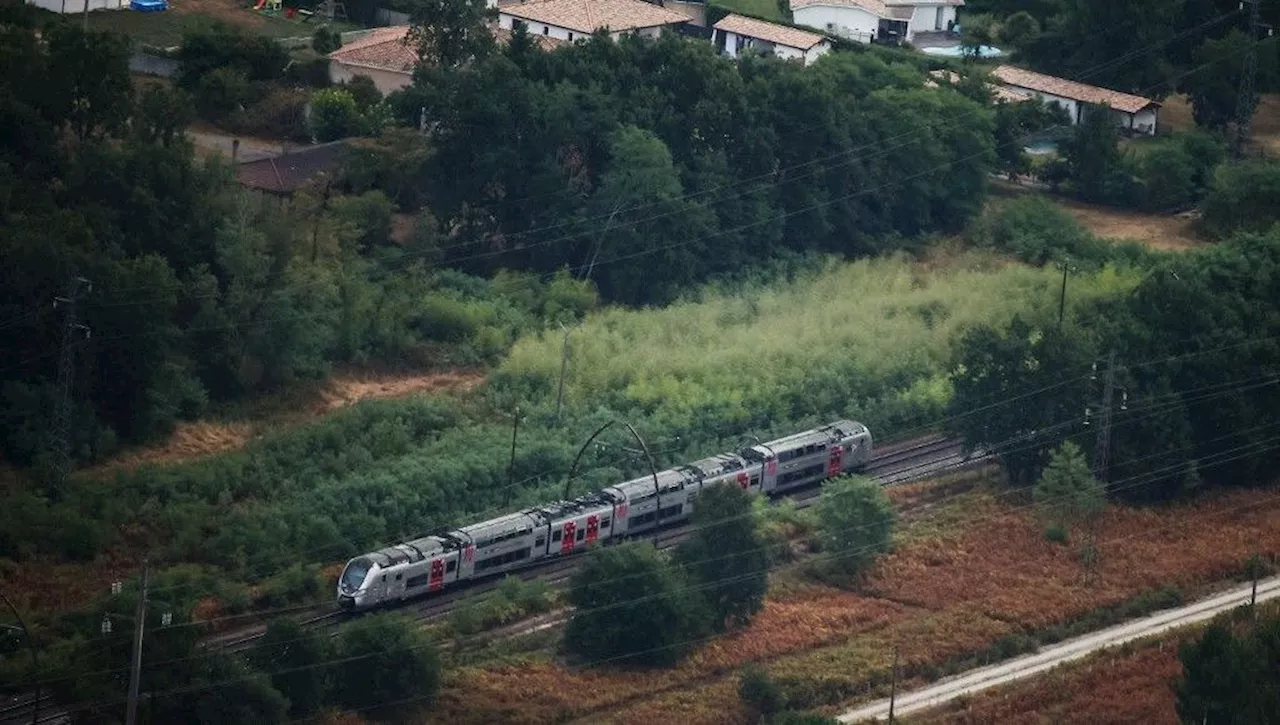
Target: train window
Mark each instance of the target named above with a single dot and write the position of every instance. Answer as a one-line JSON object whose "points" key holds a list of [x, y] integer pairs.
{"points": [[604, 523], [416, 581], [384, 577], [541, 542], [451, 566], [755, 480], [581, 534], [555, 535], [399, 577]]}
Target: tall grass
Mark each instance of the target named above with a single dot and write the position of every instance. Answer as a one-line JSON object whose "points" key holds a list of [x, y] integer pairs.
{"points": [[869, 339]]}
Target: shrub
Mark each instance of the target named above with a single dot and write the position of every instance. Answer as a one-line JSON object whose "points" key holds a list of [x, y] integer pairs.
{"points": [[326, 40], [762, 696], [1057, 534], [857, 520], [1242, 197], [221, 92], [334, 114], [384, 660], [222, 46], [281, 113], [312, 72], [365, 93]]}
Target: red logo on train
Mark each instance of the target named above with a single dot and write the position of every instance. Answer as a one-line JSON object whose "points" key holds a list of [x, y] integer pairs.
{"points": [[566, 544], [437, 575]]}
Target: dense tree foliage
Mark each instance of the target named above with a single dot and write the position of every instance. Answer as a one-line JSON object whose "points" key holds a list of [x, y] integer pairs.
{"points": [[670, 164], [385, 662], [633, 608], [727, 556], [1242, 198], [290, 656], [856, 522], [1229, 675]]}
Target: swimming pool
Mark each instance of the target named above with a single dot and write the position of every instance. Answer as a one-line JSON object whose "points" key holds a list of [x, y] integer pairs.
{"points": [[957, 51]]}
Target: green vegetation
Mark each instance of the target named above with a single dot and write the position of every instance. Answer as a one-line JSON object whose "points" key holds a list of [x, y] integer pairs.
{"points": [[633, 608], [513, 600], [385, 663], [856, 522], [1229, 674], [767, 9], [1241, 198], [727, 554], [1067, 493]]}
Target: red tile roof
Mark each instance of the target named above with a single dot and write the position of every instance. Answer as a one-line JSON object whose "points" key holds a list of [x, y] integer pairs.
{"points": [[1064, 88], [390, 49], [287, 173], [777, 34], [588, 16]]}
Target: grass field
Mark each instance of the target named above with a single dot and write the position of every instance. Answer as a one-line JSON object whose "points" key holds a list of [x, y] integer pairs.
{"points": [[165, 29], [760, 8], [981, 578], [868, 338]]}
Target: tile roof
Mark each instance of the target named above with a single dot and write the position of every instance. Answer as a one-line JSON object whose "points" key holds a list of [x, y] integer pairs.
{"points": [[998, 92], [898, 9], [778, 34], [588, 16], [389, 49], [287, 173], [1071, 89]]}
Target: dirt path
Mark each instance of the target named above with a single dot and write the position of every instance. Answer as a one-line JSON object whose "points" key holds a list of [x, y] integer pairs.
{"points": [[196, 439]]}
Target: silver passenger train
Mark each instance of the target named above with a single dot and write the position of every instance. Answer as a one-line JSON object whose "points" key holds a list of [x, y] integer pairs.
{"points": [[513, 541]]}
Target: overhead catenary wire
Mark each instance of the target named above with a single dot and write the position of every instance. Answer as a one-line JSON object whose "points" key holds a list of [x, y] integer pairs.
{"points": [[1119, 485]]}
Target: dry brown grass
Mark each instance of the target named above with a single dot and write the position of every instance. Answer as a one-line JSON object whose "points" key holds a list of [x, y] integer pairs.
{"points": [[1121, 686], [1154, 230], [938, 597]]}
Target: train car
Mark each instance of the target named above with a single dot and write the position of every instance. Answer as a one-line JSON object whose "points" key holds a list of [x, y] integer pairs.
{"points": [[399, 572], [502, 544], [643, 508], [806, 458], [581, 523]]}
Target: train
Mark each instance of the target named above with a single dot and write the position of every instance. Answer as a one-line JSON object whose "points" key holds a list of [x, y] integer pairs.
{"points": [[436, 562]]}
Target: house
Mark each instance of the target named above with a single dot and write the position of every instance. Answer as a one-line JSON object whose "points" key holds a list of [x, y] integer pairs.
{"points": [[284, 174], [574, 19], [876, 21], [387, 56], [734, 34], [998, 92], [1133, 113]]}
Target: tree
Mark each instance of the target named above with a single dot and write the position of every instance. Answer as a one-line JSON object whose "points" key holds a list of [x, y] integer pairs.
{"points": [[1230, 678], [384, 661], [1099, 172], [1241, 198], [856, 522], [727, 556], [291, 657], [760, 693], [1213, 84], [1015, 378], [633, 607], [1077, 41], [1019, 29], [1015, 124], [449, 33], [977, 32], [1067, 493], [89, 72]]}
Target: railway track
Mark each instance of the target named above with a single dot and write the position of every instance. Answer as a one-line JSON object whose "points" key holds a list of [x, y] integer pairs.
{"points": [[892, 464]]}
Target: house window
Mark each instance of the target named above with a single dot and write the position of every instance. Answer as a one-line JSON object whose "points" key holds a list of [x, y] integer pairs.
{"points": [[571, 37], [546, 30]]}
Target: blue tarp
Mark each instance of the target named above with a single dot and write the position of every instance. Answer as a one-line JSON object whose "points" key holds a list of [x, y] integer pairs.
{"points": [[149, 6]]}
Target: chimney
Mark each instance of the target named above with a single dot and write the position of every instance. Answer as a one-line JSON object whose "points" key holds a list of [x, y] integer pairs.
{"points": [[235, 149]]}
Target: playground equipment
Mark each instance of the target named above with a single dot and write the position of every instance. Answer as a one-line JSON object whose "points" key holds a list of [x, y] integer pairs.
{"points": [[327, 10], [268, 7]]}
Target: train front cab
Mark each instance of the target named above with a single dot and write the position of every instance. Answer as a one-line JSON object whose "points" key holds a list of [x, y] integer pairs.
{"points": [[361, 585]]}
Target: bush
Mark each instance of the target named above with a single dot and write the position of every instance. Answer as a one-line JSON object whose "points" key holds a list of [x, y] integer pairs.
{"points": [[1057, 534], [313, 72], [857, 521], [762, 696], [222, 46], [1242, 197], [221, 92], [364, 91], [334, 114], [282, 114], [384, 661], [326, 40]]}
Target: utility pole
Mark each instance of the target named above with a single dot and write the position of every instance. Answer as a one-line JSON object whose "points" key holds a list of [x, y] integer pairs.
{"points": [[511, 467], [564, 363], [1247, 99], [1062, 298], [86, 17], [135, 673], [62, 411], [893, 684], [1102, 448]]}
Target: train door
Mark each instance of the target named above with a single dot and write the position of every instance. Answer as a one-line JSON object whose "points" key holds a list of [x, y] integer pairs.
{"points": [[567, 540], [744, 480], [435, 579], [395, 584], [593, 529], [620, 519], [769, 474], [467, 562], [835, 464]]}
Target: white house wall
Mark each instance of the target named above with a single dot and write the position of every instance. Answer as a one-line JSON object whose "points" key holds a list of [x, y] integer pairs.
{"points": [[386, 81], [1133, 121], [816, 52], [847, 22], [77, 6], [925, 19]]}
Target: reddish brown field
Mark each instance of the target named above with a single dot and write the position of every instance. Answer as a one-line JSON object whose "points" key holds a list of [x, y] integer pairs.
{"points": [[1120, 687], [974, 578]]}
